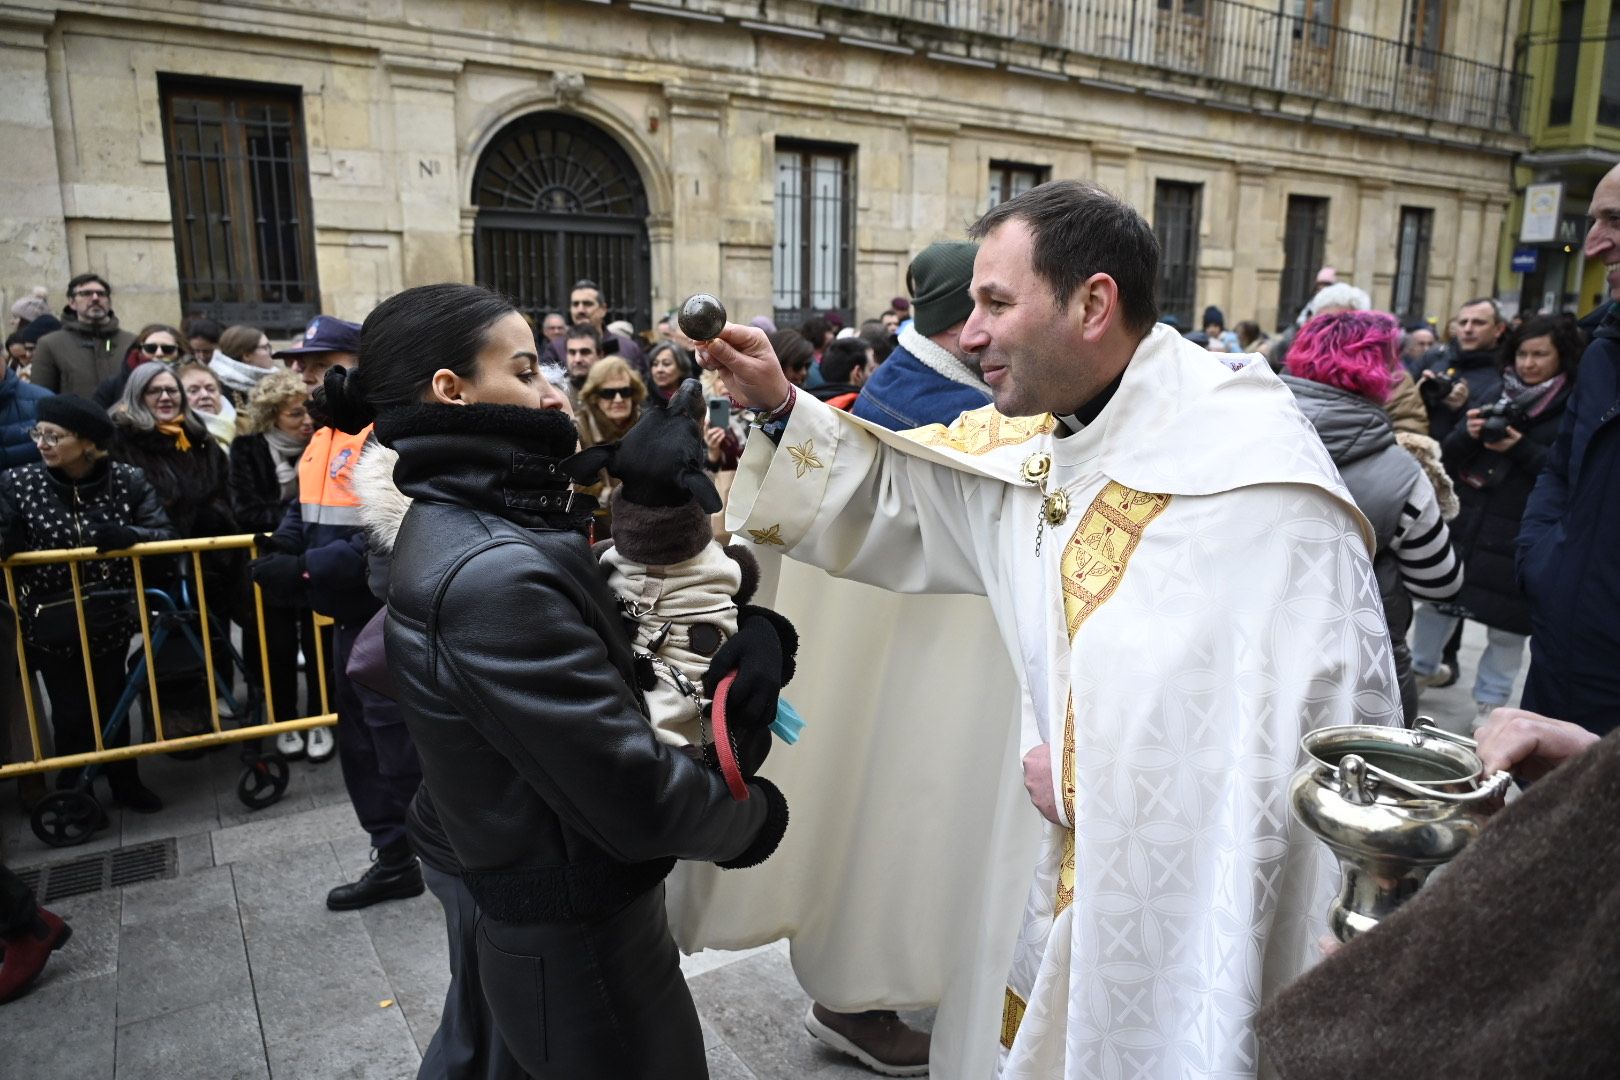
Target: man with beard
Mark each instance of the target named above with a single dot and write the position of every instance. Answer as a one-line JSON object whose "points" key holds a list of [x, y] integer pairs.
{"points": [[588, 307], [89, 348], [929, 378]]}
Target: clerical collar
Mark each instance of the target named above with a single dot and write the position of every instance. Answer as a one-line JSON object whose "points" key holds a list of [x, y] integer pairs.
{"points": [[1087, 414]]}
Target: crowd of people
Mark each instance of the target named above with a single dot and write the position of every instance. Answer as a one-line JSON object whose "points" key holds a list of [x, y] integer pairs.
{"points": [[404, 479]]}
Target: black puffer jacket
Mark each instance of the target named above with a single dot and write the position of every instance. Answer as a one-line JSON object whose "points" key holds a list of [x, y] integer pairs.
{"points": [[1493, 489], [43, 509], [518, 685]]}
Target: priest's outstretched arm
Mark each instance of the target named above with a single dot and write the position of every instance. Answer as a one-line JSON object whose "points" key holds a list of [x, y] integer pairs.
{"points": [[829, 492]]}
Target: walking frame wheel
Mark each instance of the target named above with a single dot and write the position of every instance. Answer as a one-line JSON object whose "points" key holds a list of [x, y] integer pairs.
{"points": [[263, 781], [66, 818]]}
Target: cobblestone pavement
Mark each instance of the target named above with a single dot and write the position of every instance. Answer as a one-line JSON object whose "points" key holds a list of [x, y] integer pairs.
{"points": [[235, 969]]}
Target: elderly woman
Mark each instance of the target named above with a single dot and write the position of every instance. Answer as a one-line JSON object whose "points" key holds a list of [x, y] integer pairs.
{"points": [[276, 428], [208, 400], [74, 497], [1341, 368], [159, 434], [242, 361]]}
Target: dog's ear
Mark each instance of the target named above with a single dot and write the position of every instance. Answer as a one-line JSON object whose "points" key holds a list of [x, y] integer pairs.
{"points": [[703, 490], [583, 466]]}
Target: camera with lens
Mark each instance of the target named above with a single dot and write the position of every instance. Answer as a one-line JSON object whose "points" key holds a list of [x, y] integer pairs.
{"points": [[1437, 388], [1498, 418]]}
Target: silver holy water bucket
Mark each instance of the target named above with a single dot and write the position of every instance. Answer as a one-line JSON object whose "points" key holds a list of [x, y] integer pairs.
{"points": [[1393, 805]]}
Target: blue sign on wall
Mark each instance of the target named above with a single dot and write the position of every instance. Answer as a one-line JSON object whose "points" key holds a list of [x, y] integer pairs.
{"points": [[1525, 260]]}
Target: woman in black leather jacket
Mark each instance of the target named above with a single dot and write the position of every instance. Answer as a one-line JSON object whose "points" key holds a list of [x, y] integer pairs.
{"points": [[517, 683]]}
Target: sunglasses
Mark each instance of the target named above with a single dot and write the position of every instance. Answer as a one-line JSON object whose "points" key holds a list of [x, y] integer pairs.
{"points": [[152, 348], [162, 391], [615, 392]]}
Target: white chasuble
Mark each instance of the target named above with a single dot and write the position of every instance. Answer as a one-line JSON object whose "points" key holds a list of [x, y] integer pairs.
{"points": [[1206, 600]]}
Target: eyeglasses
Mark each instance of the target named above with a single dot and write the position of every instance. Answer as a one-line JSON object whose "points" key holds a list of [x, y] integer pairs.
{"points": [[163, 391], [153, 348], [45, 438], [93, 294], [615, 392], [263, 346]]}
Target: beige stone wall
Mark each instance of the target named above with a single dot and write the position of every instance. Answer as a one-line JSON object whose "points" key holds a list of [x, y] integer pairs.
{"points": [[401, 97]]}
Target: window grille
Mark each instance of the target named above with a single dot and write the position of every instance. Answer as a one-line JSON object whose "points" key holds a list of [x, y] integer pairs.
{"points": [[1175, 223], [812, 264], [239, 185], [1412, 263], [1304, 244]]}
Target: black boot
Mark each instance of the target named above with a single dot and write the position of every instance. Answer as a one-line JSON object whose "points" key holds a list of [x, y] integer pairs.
{"points": [[129, 792], [394, 875]]}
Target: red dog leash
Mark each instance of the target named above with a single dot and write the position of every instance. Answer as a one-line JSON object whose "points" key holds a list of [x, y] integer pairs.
{"points": [[723, 747]]}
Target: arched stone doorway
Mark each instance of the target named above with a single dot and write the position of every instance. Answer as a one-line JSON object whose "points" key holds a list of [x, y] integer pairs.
{"points": [[558, 200]]}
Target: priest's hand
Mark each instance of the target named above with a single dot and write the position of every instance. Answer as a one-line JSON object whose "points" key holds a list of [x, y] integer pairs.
{"points": [[753, 373], [1529, 745], [1038, 782]]}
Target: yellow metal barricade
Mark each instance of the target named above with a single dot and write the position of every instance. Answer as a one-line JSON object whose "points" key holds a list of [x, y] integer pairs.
{"points": [[195, 549]]}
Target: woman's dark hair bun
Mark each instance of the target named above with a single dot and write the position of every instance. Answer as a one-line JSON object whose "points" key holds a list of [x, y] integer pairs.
{"points": [[340, 400]]}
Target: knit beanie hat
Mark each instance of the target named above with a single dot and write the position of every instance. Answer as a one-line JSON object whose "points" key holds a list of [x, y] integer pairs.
{"points": [[1213, 314], [38, 328], [938, 280], [32, 306], [84, 418]]}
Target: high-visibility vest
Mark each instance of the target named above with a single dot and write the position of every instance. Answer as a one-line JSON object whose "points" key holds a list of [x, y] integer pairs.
{"points": [[324, 494]]}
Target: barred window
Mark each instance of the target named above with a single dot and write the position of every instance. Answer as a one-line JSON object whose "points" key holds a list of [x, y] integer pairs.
{"points": [[239, 185], [1412, 263], [813, 263], [1175, 223], [1008, 178], [1304, 244]]}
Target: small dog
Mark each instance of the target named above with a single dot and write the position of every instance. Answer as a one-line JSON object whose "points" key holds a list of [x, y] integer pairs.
{"points": [[686, 598]]}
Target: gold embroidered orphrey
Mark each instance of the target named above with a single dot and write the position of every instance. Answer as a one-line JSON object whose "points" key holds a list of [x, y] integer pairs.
{"points": [[1093, 565], [772, 535], [978, 432]]}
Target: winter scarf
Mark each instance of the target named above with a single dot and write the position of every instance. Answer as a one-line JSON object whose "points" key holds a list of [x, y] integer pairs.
{"points": [[176, 430], [1532, 399], [285, 452], [236, 375]]}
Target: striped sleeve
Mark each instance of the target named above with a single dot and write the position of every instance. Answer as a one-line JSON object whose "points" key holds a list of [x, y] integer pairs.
{"points": [[1429, 567]]}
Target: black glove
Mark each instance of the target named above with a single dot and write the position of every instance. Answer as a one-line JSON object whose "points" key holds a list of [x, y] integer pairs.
{"points": [[281, 576], [761, 653], [114, 537], [269, 545]]}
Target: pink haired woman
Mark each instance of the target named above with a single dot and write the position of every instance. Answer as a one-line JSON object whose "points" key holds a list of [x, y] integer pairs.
{"points": [[1341, 368]]}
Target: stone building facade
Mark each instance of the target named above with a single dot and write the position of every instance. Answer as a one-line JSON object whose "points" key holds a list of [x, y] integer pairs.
{"points": [[260, 161]]}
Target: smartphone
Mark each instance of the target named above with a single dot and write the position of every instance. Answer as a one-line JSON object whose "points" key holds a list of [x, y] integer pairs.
{"points": [[719, 412]]}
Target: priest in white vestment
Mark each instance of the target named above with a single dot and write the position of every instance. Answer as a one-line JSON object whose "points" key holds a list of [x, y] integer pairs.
{"points": [[1184, 587]]}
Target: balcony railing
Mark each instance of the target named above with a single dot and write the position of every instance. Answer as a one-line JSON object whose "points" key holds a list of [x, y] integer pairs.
{"points": [[1240, 43]]}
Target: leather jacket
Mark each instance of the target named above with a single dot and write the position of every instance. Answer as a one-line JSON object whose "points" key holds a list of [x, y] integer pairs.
{"points": [[518, 685]]}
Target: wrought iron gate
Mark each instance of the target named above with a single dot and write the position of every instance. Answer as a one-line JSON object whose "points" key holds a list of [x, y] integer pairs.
{"points": [[559, 200]]}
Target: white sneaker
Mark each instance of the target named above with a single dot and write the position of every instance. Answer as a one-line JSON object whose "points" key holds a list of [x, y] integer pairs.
{"points": [[290, 744], [321, 744], [1437, 677]]}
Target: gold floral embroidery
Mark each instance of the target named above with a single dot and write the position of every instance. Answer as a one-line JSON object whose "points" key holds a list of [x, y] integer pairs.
{"points": [[1093, 564], [772, 535], [804, 458], [981, 431], [1012, 1014]]}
